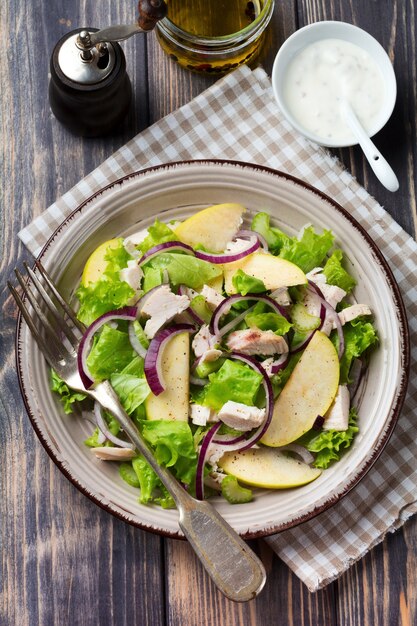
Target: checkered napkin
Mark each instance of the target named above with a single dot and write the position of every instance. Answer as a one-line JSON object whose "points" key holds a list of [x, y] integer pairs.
{"points": [[237, 118]]}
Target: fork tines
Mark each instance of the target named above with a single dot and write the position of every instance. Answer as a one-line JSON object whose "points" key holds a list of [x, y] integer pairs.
{"points": [[47, 323]]}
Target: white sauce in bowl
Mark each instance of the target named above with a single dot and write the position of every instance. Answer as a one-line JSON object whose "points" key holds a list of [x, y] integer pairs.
{"points": [[324, 74]]}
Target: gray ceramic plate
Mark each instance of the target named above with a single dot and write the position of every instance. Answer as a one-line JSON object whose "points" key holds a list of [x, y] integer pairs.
{"points": [[175, 191]]}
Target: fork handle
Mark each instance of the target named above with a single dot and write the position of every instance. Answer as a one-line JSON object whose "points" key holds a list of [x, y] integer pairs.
{"points": [[233, 566]]}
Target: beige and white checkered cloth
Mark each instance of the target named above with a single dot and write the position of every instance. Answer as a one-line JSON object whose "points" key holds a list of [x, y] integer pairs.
{"points": [[237, 118]]}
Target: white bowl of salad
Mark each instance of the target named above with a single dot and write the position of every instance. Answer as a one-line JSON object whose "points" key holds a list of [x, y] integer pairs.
{"points": [[252, 330]]}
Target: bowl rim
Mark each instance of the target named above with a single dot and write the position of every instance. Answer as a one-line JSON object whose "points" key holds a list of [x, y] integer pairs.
{"points": [[279, 66], [398, 399]]}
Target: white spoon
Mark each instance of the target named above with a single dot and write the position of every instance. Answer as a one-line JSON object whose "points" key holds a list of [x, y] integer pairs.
{"points": [[380, 166]]}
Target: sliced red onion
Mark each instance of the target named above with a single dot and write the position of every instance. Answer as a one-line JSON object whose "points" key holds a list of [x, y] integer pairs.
{"points": [[280, 364], [303, 345], [332, 313], [304, 454], [229, 439], [153, 358], [247, 234], [125, 313], [234, 322], [104, 429], [225, 306], [229, 257], [202, 459], [318, 423], [168, 246], [135, 343]]}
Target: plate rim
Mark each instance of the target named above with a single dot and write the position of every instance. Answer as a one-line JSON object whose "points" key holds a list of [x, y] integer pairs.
{"points": [[404, 357]]}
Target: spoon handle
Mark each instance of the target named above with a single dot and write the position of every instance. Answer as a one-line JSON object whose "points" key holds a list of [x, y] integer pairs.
{"points": [[378, 163]]}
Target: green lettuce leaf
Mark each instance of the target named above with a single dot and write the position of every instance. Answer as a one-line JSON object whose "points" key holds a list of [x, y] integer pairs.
{"points": [[173, 446], [110, 354], [67, 395], [336, 274], [268, 321], [184, 269], [157, 233], [244, 284], [152, 277], [109, 292], [309, 251], [151, 488], [274, 237], [329, 445], [131, 390], [359, 335], [233, 381]]}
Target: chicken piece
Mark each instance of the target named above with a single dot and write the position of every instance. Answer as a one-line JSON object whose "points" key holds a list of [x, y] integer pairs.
{"points": [[211, 296], [354, 311], [132, 274], [161, 307], [316, 276], [337, 417], [203, 341], [256, 341], [281, 296], [131, 241], [332, 294], [110, 453], [239, 245], [210, 355], [241, 416], [201, 415]]}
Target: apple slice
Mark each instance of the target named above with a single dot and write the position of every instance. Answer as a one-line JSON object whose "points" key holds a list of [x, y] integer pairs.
{"points": [[272, 270], [213, 227], [309, 392], [173, 403], [268, 468], [96, 263]]}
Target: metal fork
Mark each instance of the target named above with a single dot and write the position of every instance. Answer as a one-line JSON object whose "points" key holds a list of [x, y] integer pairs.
{"points": [[233, 566]]}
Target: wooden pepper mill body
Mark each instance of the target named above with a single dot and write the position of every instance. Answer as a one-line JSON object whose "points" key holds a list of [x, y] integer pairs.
{"points": [[90, 109]]}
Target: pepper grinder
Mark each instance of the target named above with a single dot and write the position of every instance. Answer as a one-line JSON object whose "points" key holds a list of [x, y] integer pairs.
{"points": [[89, 88]]}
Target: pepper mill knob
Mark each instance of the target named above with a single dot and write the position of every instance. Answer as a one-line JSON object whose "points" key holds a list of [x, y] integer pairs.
{"points": [[150, 12]]}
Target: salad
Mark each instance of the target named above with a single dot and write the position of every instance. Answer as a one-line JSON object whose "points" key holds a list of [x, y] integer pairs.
{"points": [[237, 352]]}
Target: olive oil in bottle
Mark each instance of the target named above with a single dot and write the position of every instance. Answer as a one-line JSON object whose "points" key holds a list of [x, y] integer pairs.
{"points": [[214, 36], [213, 18]]}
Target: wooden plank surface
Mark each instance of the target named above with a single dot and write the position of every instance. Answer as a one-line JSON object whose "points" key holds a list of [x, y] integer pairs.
{"points": [[64, 560]]}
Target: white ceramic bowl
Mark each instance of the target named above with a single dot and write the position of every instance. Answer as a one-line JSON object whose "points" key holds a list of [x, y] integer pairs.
{"points": [[333, 30], [175, 191]]}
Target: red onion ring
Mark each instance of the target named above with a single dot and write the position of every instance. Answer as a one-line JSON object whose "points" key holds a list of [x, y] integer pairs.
{"points": [[134, 341], [152, 364], [247, 234], [280, 363], [300, 451], [103, 428], [202, 459], [125, 313], [228, 257], [224, 307], [168, 246]]}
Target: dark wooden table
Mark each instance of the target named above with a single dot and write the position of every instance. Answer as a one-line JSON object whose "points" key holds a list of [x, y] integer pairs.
{"points": [[64, 560]]}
